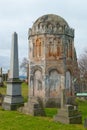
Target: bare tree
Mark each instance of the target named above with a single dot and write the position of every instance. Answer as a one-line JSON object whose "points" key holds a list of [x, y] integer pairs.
{"points": [[83, 71], [83, 64], [25, 66]]}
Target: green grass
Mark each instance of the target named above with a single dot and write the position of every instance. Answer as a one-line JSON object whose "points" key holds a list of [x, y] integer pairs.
{"points": [[25, 91], [82, 105], [3, 89], [13, 120], [50, 112]]}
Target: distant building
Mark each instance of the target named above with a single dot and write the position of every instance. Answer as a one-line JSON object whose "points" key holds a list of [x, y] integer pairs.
{"points": [[52, 59]]}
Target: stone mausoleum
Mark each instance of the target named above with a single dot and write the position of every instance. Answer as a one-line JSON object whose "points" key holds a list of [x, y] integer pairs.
{"points": [[52, 59]]}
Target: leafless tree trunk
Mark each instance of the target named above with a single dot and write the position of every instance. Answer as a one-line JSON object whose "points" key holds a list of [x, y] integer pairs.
{"points": [[83, 71], [25, 67]]}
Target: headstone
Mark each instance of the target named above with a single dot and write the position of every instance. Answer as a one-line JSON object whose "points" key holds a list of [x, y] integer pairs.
{"points": [[1, 78], [85, 123], [33, 107], [13, 98], [68, 114]]}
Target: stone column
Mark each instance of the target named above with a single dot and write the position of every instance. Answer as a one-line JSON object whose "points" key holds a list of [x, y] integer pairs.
{"points": [[13, 98], [63, 98]]}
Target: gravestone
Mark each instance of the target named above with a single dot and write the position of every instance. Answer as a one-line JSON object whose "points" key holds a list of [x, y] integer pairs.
{"points": [[13, 98], [68, 114], [85, 123], [33, 107], [1, 78]]}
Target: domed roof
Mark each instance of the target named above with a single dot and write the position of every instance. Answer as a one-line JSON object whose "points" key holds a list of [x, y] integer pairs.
{"points": [[50, 18], [49, 24]]}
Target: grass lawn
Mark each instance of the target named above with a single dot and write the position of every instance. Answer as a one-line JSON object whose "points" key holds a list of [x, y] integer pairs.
{"points": [[25, 91], [13, 120], [3, 90]]}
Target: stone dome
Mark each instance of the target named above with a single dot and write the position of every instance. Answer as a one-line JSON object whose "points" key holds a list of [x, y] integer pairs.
{"points": [[49, 23], [51, 19]]}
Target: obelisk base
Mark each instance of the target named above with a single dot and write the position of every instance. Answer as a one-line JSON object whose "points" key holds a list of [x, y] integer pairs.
{"points": [[12, 102], [13, 99]]}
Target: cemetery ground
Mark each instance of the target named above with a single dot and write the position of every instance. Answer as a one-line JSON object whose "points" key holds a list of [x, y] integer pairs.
{"points": [[14, 120]]}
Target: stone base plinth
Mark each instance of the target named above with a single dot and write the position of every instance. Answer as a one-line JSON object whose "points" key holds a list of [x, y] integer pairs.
{"points": [[12, 102], [69, 115], [34, 107], [13, 98]]}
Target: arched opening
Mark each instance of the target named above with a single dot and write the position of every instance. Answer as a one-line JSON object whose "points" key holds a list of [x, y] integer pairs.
{"points": [[37, 81], [68, 82], [54, 82], [38, 48], [68, 79]]}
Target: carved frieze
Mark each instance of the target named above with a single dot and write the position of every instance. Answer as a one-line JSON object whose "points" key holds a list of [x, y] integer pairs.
{"points": [[52, 29]]}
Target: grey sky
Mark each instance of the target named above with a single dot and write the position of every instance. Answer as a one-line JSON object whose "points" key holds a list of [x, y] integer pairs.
{"points": [[19, 15]]}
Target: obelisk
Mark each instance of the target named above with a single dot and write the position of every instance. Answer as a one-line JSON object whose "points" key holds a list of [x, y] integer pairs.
{"points": [[14, 65], [13, 98]]}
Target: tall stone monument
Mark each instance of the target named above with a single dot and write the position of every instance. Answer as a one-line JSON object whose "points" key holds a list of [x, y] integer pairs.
{"points": [[13, 98], [50, 41]]}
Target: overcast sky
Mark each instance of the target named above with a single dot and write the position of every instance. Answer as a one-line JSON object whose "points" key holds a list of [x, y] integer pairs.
{"points": [[19, 16]]}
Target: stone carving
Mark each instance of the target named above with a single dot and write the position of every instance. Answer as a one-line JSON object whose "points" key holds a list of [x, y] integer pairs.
{"points": [[42, 28], [55, 29], [48, 24], [36, 48], [53, 47], [60, 29], [50, 28]]}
